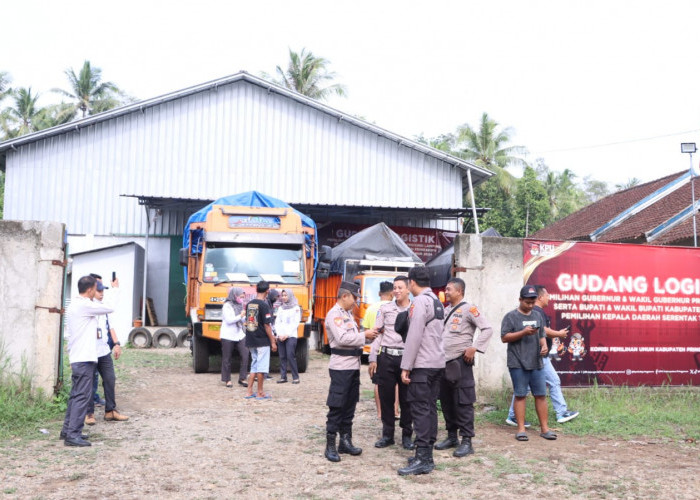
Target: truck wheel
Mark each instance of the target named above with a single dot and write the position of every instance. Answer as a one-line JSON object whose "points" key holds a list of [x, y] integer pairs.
{"points": [[200, 354], [183, 339], [140, 338], [164, 338], [302, 355]]}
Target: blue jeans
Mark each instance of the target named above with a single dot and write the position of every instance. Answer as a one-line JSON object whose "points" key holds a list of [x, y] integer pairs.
{"points": [[554, 385]]}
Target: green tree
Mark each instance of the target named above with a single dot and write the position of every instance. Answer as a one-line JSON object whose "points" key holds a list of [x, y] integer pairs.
{"points": [[531, 207], [4, 84], [54, 115], [594, 190], [308, 75], [500, 205], [488, 147], [628, 184], [23, 116], [89, 93]]}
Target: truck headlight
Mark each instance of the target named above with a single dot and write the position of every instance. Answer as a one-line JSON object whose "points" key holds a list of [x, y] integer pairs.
{"points": [[213, 313]]}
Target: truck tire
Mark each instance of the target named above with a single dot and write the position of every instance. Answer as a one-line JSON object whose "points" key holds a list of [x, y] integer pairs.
{"points": [[164, 338], [183, 338], [302, 355], [200, 354], [140, 338]]}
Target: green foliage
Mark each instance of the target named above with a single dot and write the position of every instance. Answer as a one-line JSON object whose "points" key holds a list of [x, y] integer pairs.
{"points": [[308, 75], [531, 211], [88, 92], [22, 410], [668, 413], [2, 194]]}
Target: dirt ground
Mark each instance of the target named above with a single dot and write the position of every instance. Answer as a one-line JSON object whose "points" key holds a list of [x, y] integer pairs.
{"points": [[190, 437]]}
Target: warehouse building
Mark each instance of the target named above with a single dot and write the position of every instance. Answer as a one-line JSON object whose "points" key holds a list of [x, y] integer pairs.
{"points": [[136, 173]]}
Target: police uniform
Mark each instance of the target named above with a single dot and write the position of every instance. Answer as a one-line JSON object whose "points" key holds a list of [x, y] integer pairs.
{"points": [[457, 393], [387, 351], [424, 357], [346, 343]]}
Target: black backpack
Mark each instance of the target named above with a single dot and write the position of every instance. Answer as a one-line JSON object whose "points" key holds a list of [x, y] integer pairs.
{"points": [[402, 320]]}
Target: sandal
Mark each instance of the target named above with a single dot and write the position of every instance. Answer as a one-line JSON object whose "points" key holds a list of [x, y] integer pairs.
{"points": [[264, 396], [522, 436], [254, 395], [229, 385], [548, 435]]}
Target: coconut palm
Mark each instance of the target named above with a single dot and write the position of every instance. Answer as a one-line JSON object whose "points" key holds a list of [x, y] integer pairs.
{"points": [[4, 84], [487, 147], [23, 116], [308, 75], [88, 92]]}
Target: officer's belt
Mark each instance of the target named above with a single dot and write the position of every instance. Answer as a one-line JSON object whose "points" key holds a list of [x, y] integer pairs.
{"points": [[346, 352], [391, 351]]}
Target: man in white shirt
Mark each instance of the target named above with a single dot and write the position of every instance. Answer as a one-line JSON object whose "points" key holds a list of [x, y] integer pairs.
{"points": [[82, 352], [105, 364]]}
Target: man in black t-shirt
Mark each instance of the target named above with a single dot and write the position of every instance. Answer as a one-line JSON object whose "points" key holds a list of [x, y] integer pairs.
{"points": [[259, 339]]}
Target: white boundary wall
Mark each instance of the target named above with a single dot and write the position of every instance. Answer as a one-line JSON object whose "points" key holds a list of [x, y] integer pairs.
{"points": [[30, 284], [493, 277]]}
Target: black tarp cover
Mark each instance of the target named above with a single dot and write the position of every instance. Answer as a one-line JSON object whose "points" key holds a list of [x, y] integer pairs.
{"points": [[377, 242]]}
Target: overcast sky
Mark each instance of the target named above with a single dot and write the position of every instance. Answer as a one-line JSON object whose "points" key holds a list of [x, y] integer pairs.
{"points": [[608, 89]]}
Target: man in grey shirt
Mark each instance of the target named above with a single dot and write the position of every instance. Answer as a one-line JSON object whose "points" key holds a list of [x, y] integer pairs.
{"points": [[422, 367], [523, 331]]}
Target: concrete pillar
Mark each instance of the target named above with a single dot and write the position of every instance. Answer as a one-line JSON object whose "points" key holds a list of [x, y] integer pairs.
{"points": [[492, 269], [31, 284]]}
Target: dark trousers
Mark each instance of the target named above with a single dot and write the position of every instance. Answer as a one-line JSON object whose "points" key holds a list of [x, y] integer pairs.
{"points": [[457, 398], [80, 397], [287, 350], [343, 395], [227, 347], [105, 367], [422, 396], [388, 375]]}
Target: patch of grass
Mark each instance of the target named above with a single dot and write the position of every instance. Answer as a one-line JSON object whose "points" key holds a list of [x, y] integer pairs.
{"points": [[622, 412], [9, 491], [24, 411]]}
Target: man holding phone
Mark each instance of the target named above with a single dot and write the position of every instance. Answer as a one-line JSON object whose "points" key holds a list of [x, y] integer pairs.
{"points": [[550, 374], [523, 330]]}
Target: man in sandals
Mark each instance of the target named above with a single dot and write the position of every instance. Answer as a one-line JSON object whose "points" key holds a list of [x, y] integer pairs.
{"points": [[259, 339], [523, 331]]}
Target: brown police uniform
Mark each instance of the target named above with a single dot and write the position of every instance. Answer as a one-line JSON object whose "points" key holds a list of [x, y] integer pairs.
{"points": [[387, 351], [424, 356], [457, 393], [346, 343]]}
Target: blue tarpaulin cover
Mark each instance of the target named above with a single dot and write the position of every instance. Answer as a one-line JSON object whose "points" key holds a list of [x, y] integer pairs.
{"points": [[247, 199]]}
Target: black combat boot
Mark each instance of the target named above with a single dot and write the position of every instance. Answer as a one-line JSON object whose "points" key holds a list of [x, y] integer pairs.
{"points": [[384, 442], [331, 452], [464, 449], [450, 442], [345, 445], [422, 464], [407, 443]]}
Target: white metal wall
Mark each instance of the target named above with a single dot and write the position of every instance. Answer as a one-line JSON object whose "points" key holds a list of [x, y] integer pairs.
{"points": [[236, 138]]}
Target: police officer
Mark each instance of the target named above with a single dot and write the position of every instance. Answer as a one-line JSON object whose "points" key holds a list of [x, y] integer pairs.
{"points": [[346, 343], [457, 394], [385, 361], [422, 367]]}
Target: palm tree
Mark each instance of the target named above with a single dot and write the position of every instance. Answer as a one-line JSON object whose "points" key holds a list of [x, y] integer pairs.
{"points": [[90, 94], [488, 148], [23, 117], [629, 184], [307, 74], [4, 84]]}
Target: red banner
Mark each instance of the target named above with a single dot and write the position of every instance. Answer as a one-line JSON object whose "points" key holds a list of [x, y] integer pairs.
{"points": [[425, 243], [634, 310]]}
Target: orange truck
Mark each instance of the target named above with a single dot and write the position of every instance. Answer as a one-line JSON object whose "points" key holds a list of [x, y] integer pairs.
{"points": [[368, 273], [226, 246]]}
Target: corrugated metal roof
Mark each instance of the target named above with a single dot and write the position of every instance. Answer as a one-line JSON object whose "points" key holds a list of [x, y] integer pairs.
{"points": [[480, 174], [229, 136]]}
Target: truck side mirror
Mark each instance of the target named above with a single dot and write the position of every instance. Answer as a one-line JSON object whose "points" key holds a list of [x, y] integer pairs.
{"points": [[324, 254], [323, 270], [184, 256]]}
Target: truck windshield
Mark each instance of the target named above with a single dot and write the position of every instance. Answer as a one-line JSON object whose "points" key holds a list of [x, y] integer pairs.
{"points": [[225, 262]]}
